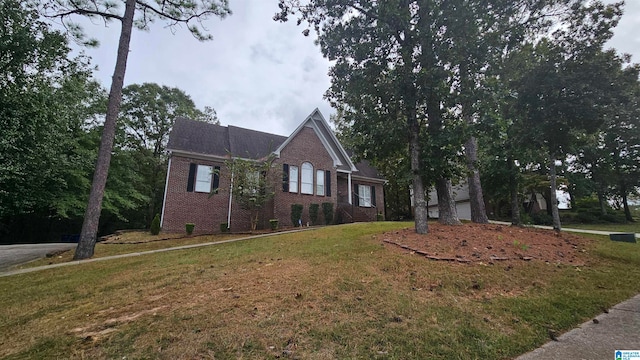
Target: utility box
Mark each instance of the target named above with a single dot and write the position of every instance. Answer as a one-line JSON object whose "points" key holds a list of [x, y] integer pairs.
{"points": [[623, 237]]}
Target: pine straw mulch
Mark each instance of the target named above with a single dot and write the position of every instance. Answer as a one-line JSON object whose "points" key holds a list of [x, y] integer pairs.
{"points": [[489, 243]]}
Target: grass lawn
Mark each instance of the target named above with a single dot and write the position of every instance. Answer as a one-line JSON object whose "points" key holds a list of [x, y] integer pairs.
{"points": [[629, 227], [334, 292]]}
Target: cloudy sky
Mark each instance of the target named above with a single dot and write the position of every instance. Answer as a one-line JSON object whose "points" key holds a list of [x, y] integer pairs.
{"points": [[256, 73]]}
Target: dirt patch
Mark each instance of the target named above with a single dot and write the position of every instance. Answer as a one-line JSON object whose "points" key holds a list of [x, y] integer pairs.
{"points": [[480, 243]]}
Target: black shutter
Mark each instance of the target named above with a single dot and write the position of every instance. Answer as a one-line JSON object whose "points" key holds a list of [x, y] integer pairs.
{"points": [[327, 183], [356, 197], [192, 176], [216, 179], [285, 177], [373, 196]]}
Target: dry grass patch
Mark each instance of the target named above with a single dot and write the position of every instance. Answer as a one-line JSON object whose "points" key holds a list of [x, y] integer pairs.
{"points": [[335, 292]]}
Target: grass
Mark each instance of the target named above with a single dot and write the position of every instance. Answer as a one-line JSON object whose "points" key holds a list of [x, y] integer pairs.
{"points": [[334, 292], [136, 241], [628, 227]]}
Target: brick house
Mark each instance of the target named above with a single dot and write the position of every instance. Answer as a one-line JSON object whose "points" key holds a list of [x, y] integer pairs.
{"points": [[311, 167]]}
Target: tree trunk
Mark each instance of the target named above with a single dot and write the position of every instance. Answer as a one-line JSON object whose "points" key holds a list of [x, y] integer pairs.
{"points": [[89, 230], [552, 191], [513, 189], [478, 211], [421, 212], [447, 213], [601, 202], [625, 204]]}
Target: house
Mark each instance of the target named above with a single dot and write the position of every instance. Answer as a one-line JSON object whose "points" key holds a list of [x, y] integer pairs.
{"points": [[311, 162], [461, 198]]}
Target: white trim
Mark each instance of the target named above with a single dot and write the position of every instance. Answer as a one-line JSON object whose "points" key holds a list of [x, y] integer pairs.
{"points": [[349, 183], [373, 180], [197, 156], [164, 198], [230, 201]]}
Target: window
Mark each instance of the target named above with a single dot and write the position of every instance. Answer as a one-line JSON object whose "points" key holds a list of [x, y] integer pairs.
{"points": [[293, 179], [364, 195], [203, 178], [320, 182], [307, 178]]}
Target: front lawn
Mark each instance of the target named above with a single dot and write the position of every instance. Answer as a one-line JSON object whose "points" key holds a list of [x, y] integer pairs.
{"points": [[333, 292]]}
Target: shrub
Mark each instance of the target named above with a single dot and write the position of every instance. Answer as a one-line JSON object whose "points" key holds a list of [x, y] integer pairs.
{"points": [[274, 224], [327, 211], [313, 213], [542, 218], [189, 227], [379, 217], [296, 214], [155, 225], [224, 227]]}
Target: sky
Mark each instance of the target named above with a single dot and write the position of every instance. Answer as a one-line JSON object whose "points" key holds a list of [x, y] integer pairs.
{"points": [[256, 73]]}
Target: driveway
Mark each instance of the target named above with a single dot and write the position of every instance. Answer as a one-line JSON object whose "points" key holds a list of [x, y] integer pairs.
{"points": [[11, 255]]}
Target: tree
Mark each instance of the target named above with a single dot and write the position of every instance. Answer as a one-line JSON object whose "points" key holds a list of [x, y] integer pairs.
{"points": [[562, 93], [397, 62], [147, 115], [252, 184], [187, 12], [46, 100]]}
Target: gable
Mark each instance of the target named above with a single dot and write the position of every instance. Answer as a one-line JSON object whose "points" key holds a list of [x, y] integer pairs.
{"points": [[318, 124]]}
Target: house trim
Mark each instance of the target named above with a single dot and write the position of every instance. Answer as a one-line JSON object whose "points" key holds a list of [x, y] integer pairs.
{"points": [[164, 197]]}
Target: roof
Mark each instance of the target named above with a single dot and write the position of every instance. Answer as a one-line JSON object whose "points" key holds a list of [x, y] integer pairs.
{"points": [[210, 139], [200, 138]]}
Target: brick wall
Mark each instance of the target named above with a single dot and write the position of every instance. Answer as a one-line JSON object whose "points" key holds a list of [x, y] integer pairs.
{"points": [[305, 147], [194, 207], [208, 212]]}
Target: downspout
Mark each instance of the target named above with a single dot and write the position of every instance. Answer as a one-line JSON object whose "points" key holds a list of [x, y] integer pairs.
{"points": [[164, 198], [230, 201], [349, 184]]}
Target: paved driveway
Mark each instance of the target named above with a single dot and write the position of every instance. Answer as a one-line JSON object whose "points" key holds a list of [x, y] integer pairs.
{"points": [[11, 255]]}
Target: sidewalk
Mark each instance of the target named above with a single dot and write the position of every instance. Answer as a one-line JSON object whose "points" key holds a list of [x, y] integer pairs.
{"points": [[597, 339], [583, 231]]}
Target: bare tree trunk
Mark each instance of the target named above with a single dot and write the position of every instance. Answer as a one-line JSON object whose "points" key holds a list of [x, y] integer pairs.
{"points": [[553, 198], [478, 211], [601, 202], [625, 204], [421, 212], [89, 231], [513, 189], [447, 213]]}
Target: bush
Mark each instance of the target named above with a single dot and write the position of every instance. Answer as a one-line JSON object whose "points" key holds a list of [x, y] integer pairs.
{"points": [[542, 218], [327, 210], [313, 213], [189, 227], [296, 214], [379, 217], [586, 218], [274, 224], [224, 228], [155, 225]]}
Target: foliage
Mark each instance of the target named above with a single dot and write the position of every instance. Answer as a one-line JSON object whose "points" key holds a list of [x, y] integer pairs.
{"points": [[296, 214], [147, 115], [189, 228], [224, 227], [327, 211], [155, 225], [174, 13], [313, 213], [252, 185]]}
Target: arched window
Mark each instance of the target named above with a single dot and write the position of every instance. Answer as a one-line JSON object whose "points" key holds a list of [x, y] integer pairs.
{"points": [[306, 178]]}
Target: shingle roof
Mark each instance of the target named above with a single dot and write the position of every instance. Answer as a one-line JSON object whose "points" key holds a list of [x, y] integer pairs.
{"points": [[209, 139]]}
